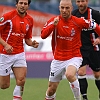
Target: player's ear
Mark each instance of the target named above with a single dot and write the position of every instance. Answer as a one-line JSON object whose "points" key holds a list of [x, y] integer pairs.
{"points": [[59, 7], [16, 5]]}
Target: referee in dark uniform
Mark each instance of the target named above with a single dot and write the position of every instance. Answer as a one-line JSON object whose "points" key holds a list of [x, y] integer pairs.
{"points": [[90, 52]]}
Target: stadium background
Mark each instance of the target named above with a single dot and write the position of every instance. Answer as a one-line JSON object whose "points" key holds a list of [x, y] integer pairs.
{"points": [[39, 59]]}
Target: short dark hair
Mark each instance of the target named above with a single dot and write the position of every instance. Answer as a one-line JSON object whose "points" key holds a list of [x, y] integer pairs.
{"points": [[29, 1]]}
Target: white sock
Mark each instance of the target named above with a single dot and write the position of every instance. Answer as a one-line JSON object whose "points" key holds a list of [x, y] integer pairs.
{"points": [[18, 91], [75, 89], [53, 97]]}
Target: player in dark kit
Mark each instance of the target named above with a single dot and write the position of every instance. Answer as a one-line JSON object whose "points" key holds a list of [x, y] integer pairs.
{"points": [[90, 52]]}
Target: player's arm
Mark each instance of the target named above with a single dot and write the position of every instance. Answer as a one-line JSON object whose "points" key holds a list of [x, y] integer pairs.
{"points": [[96, 41], [2, 42], [33, 43], [91, 24], [97, 22], [49, 27], [97, 19], [8, 48], [97, 29], [3, 22], [28, 37]]}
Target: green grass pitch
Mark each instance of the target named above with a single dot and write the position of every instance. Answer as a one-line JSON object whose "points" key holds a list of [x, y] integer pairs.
{"points": [[35, 90]]}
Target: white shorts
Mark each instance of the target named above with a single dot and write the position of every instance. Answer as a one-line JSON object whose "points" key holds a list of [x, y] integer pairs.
{"points": [[58, 68], [9, 61]]}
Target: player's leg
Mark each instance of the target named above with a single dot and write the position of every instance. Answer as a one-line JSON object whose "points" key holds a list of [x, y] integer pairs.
{"points": [[74, 84], [83, 82], [20, 75], [95, 66], [51, 91], [19, 69], [71, 71], [97, 80], [5, 68], [4, 81], [55, 76]]}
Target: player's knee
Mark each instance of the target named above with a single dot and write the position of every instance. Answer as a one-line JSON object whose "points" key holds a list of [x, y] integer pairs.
{"points": [[97, 76], [69, 76], [81, 72], [5, 86], [20, 82]]}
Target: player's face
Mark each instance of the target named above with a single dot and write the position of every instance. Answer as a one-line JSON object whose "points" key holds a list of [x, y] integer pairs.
{"points": [[22, 7], [82, 5], [65, 9]]}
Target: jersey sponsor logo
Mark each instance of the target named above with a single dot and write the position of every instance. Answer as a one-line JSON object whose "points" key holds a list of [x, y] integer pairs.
{"points": [[65, 26], [87, 29], [22, 22], [18, 34], [65, 38], [1, 19]]}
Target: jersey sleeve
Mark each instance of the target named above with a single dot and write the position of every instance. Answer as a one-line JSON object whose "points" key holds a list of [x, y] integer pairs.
{"points": [[3, 21], [47, 29], [97, 29], [91, 24], [96, 16], [87, 24]]}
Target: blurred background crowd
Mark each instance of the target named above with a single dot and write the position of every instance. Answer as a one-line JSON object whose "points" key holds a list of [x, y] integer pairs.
{"points": [[50, 6]]}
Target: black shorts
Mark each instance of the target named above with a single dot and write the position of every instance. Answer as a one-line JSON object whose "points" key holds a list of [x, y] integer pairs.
{"points": [[91, 58]]}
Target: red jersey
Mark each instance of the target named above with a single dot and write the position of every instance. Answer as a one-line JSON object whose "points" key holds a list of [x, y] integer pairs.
{"points": [[66, 41], [14, 28]]}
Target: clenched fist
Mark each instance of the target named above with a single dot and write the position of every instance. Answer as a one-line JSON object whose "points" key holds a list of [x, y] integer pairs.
{"points": [[35, 44], [56, 20]]}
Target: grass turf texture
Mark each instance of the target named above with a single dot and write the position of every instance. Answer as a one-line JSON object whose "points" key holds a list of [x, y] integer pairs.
{"points": [[35, 90]]}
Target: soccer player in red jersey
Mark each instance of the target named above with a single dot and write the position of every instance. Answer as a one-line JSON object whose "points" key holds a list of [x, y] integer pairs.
{"points": [[66, 43], [15, 26]]}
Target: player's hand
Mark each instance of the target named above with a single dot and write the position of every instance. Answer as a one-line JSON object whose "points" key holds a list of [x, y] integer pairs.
{"points": [[8, 48], [35, 44], [56, 20], [96, 41]]}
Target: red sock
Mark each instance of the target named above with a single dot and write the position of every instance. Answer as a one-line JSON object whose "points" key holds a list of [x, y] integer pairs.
{"points": [[49, 99], [15, 98]]}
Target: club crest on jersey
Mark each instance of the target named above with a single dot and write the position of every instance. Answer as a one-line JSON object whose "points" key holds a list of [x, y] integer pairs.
{"points": [[27, 27], [1, 19], [72, 32]]}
